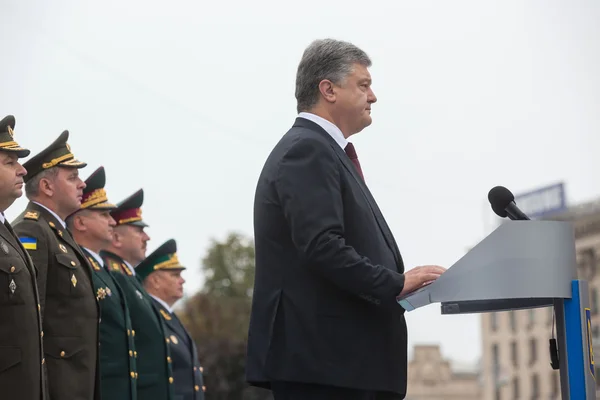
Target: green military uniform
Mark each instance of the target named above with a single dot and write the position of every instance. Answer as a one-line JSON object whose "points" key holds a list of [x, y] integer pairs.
{"points": [[153, 362], [118, 355], [21, 349], [187, 371], [68, 301]]}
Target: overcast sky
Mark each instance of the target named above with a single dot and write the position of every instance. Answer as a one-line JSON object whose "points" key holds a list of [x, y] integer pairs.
{"points": [[186, 99]]}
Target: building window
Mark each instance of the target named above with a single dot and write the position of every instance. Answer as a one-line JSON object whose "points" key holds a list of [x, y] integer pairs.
{"points": [[531, 315], [514, 354], [494, 321], [594, 301], [515, 388], [535, 387], [532, 351], [513, 321]]}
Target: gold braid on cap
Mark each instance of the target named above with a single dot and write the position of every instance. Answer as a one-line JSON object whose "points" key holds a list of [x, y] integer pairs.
{"points": [[58, 160], [96, 197], [172, 262]]}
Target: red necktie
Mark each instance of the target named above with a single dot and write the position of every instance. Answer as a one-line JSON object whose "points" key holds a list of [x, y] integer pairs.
{"points": [[351, 152]]}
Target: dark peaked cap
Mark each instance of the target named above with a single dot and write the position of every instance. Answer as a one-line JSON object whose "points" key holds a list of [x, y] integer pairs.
{"points": [[163, 258], [129, 211], [94, 195], [7, 141], [58, 154]]}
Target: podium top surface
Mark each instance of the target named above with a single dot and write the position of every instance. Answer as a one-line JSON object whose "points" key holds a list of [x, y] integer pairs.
{"points": [[527, 260]]}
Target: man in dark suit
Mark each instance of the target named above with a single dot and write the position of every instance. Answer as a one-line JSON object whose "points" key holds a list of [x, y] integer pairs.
{"points": [[92, 228], [128, 249], [21, 349], [161, 274], [325, 322], [68, 301]]}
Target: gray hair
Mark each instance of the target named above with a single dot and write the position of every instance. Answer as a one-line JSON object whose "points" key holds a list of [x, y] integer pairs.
{"points": [[32, 187], [325, 59]]}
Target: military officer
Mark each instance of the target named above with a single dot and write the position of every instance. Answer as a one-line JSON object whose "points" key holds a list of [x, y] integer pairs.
{"points": [[127, 249], [161, 274], [67, 297], [92, 228], [21, 350]]}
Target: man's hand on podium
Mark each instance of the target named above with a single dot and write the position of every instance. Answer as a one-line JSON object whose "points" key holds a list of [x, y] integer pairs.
{"points": [[421, 276]]}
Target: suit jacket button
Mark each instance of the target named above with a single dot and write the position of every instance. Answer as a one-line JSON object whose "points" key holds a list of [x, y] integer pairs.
{"points": [[196, 388], [168, 359], [135, 354], [62, 353], [201, 369], [12, 269], [204, 388], [130, 353], [43, 361], [170, 379], [132, 374]]}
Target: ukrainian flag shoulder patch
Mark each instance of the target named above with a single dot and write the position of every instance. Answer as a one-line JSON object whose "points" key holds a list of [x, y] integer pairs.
{"points": [[29, 243]]}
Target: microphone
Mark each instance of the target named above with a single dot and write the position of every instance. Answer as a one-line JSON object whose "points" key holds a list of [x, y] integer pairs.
{"points": [[503, 204]]}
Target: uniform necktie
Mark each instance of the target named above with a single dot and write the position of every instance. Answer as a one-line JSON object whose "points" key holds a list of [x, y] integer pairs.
{"points": [[351, 152]]}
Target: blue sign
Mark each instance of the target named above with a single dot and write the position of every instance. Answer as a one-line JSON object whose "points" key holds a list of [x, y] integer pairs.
{"points": [[588, 323], [543, 201]]}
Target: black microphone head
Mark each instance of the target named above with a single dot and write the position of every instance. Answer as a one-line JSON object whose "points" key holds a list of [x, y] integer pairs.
{"points": [[500, 197]]}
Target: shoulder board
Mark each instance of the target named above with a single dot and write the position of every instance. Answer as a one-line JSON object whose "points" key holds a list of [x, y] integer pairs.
{"points": [[33, 215], [165, 314], [29, 243]]}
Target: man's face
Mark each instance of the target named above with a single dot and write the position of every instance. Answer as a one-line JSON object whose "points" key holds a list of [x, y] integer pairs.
{"points": [[133, 242], [68, 189], [353, 99], [11, 179], [170, 285], [98, 226]]}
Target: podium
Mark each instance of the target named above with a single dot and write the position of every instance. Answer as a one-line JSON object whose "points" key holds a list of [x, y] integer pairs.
{"points": [[522, 265]]}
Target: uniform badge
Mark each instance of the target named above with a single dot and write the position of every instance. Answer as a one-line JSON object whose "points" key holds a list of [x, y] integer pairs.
{"points": [[165, 315], [74, 280], [60, 233], [51, 224], [62, 248], [174, 339], [4, 247], [29, 243], [139, 294], [101, 294], [108, 292], [12, 286]]}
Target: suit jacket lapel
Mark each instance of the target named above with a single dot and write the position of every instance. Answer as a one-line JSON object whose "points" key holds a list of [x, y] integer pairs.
{"points": [[387, 233]]}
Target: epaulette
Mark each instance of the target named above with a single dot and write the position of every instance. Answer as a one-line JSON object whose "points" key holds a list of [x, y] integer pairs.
{"points": [[33, 215], [165, 314]]}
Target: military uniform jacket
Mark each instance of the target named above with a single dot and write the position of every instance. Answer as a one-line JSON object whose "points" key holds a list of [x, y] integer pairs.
{"points": [[21, 350], [68, 304], [187, 371], [153, 362], [117, 348]]}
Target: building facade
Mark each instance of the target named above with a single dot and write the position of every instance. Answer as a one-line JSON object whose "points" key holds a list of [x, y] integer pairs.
{"points": [[431, 377], [515, 354]]}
